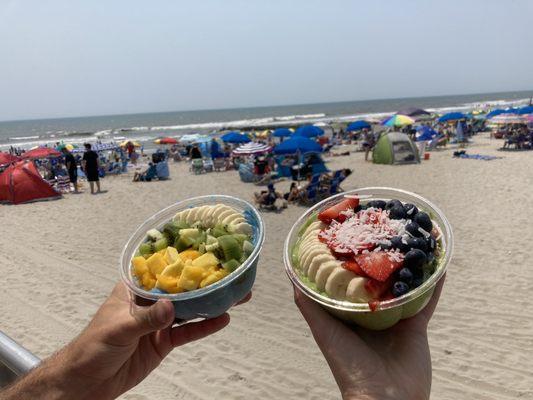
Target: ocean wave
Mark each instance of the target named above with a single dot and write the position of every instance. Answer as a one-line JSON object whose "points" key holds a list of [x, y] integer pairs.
{"points": [[23, 137], [303, 116]]}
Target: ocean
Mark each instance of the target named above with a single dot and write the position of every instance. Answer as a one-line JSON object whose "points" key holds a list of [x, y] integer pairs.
{"points": [[146, 127]]}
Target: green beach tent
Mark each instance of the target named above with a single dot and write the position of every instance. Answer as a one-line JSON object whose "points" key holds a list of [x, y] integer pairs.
{"points": [[395, 148]]}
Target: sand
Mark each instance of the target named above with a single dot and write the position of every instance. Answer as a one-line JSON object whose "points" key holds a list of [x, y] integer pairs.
{"points": [[60, 260]]}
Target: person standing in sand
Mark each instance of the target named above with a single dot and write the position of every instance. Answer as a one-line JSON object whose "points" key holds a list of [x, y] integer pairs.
{"points": [[90, 167], [72, 168]]}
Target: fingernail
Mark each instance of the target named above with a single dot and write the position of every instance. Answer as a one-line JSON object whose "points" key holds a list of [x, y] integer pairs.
{"points": [[162, 313]]}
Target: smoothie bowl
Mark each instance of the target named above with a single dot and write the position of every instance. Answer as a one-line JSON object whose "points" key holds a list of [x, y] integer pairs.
{"points": [[370, 256], [200, 253]]}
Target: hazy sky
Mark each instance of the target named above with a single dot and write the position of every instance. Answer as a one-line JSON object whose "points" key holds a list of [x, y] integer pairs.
{"points": [[73, 57]]}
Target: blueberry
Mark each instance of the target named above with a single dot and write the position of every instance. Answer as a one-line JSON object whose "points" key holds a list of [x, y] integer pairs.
{"points": [[392, 203], [397, 243], [405, 275], [417, 243], [399, 289], [397, 212], [377, 204], [411, 210], [424, 221], [413, 229], [414, 260]]}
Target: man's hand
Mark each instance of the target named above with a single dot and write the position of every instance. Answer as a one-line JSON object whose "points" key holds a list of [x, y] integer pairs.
{"points": [[119, 348], [390, 364]]}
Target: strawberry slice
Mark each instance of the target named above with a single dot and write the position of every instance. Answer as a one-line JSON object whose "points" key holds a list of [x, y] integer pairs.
{"points": [[377, 265], [376, 289], [334, 212], [351, 265]]}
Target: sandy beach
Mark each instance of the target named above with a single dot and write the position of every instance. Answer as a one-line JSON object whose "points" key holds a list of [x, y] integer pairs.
{"points": [[60, 261]]}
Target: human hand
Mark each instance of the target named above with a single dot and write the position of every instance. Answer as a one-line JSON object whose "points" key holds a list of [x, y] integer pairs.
{"points": [[121, 345], [390, 364]]}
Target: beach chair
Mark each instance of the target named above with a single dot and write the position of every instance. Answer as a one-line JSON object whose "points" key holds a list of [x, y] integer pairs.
{"points": [[63, 184], [208, 165], [197, 166], [219, 164]]}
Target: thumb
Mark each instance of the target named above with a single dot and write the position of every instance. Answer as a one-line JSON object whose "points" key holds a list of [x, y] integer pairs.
{"points": [[145, 320]]}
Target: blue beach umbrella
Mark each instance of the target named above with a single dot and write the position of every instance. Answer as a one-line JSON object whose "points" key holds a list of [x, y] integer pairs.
{"points": [[452, 116], [424, 133], [282, 132], [309, 131], [235, 137], [297, 144], [495, 112], [525, 110], [358, 125]]}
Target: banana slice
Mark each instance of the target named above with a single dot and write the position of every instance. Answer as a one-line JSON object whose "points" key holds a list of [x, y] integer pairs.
{"points": [[311, 234], [219, 209], [224, 214], [316, 263], [315, 225], [234, 218], [337, 283], [323, 273], [356, 291], [243, 227], [314, 251]]}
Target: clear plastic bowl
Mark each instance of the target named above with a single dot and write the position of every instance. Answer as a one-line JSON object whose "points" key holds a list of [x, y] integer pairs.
{"points": [[210, 301], [388, 312]]}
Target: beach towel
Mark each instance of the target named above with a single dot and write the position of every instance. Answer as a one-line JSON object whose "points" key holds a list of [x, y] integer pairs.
{"points": [[462, 154]]}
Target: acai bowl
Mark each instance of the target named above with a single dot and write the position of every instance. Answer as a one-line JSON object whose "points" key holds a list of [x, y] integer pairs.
{"points": [[370, 256], [200, 253]]}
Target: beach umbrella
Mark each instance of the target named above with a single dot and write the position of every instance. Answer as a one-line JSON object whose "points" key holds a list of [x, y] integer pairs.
{"points": [[282, 132], [424, 133], [459, 132], [99, 147], [262, 135], [525, 110], [166, 140], [125, 143], [452, 117], [309, 131], [251, 148], [68, 146], [412, 112], [510, 110], [297, 144], [41, 152], [398, 120], [6, 158], [494, 112], [235, 137], [506, 119], [358, 125]]}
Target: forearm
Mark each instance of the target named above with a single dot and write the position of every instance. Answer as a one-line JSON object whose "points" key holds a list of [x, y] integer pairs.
{"points": [[52, 380]]}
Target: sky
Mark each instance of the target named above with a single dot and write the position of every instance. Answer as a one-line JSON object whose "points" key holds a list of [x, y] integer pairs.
{"points": [[61, 58]]}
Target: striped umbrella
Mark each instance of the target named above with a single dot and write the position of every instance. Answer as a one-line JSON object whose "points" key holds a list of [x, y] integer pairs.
{"points": [[505, 119], [99, 147], [251, 148], [398, 120], [125, 143], [166, 140]]}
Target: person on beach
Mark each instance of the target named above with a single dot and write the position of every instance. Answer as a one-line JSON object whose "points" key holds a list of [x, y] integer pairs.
{"points": [[369, 141], [72, 168], [196, 153], [90, 167], [125, 342]]}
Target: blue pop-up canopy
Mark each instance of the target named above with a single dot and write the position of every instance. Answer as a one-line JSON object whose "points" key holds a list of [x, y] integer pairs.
{"points": [[495, 112], [358, 125], [282, 132], [235, 137], [309, 131], [425, 133], [297, 144], [525, 110]]}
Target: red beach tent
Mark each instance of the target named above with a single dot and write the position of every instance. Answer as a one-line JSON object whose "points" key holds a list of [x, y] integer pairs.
{"points": [[41, 152], [21, 183]]}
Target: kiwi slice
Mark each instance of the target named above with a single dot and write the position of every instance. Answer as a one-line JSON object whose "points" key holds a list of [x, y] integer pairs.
{"points": [[230, 247], [171, 231], [231, 265], [241, 237], [183, 243], [247, 248], [219, 230], [200, 240], [160, 244], [146, 249], [154, 235], [181, 224]]}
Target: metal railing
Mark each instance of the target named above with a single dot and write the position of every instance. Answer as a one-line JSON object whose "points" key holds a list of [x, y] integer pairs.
{"points": [[15, 360]]}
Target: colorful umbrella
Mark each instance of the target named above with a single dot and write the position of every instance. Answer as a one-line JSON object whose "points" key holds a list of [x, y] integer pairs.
{"points": [[251, 148], [297, 144], [282, 132], [99, 147], [125, 143], [68, 146], [358, 125], [412, 112], [235, 137], [41, 152], [166, 140], [309, 131], [452, 117], [398, 120], [506, 119]]}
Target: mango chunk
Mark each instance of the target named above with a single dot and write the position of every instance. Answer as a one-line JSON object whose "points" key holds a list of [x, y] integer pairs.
{"points": [[168, 283], [174, 269], [213, 277], [206, 261], [148, 281], [191, 277], [139, 266], [156, 264], [171, 255], [189, 254]]}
